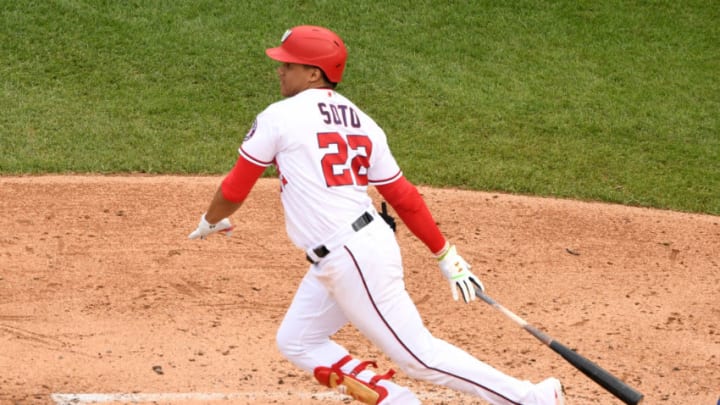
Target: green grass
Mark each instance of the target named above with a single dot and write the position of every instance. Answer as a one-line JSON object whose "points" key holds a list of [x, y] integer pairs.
{"points": [[612, 101]]}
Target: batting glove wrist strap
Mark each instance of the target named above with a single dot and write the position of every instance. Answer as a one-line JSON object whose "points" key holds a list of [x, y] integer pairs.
{"points": [[457, 271], [441, 254]]}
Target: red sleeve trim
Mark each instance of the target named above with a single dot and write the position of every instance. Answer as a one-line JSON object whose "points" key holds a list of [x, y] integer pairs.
{"points": [[241, 179], [411, 208], [252, 158], [387, 180]]}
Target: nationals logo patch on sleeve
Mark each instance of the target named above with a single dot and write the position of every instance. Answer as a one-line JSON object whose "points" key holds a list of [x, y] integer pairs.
{"points": [[251, 132]]}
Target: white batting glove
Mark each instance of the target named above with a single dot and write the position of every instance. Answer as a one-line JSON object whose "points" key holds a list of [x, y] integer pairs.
{"points": [[457, 271], [205, 228]]}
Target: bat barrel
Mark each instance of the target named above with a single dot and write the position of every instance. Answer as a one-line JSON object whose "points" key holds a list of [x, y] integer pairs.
{"points": [[596, 373]]}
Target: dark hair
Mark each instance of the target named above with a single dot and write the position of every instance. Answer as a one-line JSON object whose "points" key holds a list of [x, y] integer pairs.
{"points": [[332, 84]]}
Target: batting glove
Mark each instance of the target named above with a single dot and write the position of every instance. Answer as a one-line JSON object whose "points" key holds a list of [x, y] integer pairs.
{"points": [[457, 271], [205, 228]]}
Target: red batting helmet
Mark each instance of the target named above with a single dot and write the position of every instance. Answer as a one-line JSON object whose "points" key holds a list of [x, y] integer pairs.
{"points": [[314, 46]]}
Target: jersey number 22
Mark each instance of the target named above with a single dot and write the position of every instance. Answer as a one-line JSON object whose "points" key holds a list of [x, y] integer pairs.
{"points": [[357, 173]]}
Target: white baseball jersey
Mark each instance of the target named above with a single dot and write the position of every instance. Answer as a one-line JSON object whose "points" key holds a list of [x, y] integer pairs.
{"points": [[327, 152]]}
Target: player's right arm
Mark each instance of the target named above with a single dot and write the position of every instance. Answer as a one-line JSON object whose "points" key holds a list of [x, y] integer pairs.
{"points": [[228, 198], [234, 189], [255, 154]]}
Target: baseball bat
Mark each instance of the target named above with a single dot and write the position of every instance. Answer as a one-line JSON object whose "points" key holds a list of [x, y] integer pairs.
{"points": [[596, 373]]}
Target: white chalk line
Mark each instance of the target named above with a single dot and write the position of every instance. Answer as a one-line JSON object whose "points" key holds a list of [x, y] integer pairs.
{"points": [[99, 398], [119, 397]]}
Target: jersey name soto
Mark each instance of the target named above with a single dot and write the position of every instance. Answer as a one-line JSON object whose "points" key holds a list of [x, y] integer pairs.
{"points": [[339, 114]]}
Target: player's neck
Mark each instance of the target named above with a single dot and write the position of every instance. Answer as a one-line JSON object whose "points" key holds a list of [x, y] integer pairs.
{"points": [[322, 85]]}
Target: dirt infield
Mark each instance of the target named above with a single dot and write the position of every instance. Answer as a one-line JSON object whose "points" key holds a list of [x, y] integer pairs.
{"points": [[101, 292]]}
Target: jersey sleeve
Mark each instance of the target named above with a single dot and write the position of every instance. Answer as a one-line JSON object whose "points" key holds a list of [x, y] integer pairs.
{"points": [[257, 152], [383, 166], [261, 143]]}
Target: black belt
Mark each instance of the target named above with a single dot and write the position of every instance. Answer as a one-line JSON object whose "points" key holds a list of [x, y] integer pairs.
{"points": [[322, 251]]}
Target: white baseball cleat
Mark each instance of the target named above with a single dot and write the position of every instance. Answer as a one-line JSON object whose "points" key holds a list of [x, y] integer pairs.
{"points": [[554, 389]]}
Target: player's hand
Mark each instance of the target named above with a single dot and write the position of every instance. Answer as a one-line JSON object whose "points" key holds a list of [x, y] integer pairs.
{"points": [[457, 271], [205, 228]]}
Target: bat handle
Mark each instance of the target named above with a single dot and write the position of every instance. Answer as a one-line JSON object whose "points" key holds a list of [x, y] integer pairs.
{"points": [[531, 329]]}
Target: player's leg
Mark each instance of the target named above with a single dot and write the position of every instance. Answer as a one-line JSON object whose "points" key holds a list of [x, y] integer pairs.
{"points": [[304, 334], [304, 339], [374, 299]]}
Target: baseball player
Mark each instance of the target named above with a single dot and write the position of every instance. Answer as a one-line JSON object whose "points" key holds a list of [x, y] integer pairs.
{"points": [[327, 152]]}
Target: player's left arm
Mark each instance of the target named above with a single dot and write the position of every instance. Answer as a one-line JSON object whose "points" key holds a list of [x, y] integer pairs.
{"points": [[404, 197], [228, 198]]}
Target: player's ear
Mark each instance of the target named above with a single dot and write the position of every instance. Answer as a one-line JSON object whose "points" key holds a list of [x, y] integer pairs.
{"points": [[316, 75]]}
